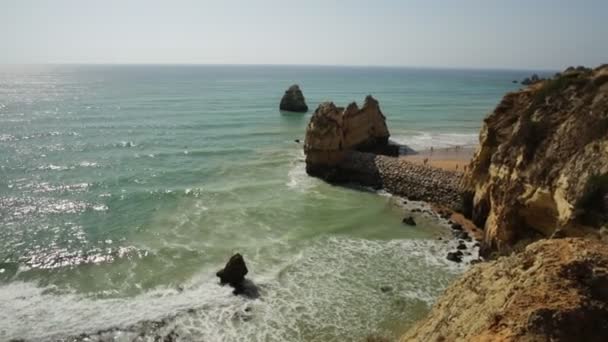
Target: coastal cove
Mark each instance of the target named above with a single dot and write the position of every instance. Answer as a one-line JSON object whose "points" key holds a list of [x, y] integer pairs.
{"points": [[125, 188]]}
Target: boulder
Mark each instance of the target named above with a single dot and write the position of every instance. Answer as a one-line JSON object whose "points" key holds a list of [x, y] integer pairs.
{"points": [[234, 273], [554, 290], [386, 288], [455, 256], [409, 221], [542, 163], [293, 100], [456, 226]]}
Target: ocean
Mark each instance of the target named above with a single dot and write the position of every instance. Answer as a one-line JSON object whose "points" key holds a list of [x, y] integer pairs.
{"points": [[123, 189]]}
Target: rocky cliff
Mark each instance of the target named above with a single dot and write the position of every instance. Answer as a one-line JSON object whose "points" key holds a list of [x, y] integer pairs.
{"points": [[542, 166], [334, 131], [555, 290]]}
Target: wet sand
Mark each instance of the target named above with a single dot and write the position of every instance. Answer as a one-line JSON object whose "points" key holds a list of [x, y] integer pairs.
{"points": [[451, 159]]}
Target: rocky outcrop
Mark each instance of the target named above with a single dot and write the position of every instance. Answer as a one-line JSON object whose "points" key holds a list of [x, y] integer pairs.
{"points": [[334, 131], [542, 166], [293, 100], [234, 273], [531, 80], [351, 145], [555, 290]]}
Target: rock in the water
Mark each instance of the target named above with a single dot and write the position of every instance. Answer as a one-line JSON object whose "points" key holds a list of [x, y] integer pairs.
{"points": [[350, 145], [555, 290], [234, 272], [234, 275], [461, 246], [542, 163], [455, 256], [293, 100], [456, 226], [334, 131], [409, 221], [386, 288], [461, 234]]}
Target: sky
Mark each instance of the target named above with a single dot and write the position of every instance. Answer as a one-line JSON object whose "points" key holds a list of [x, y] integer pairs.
{"points": [[511, 34]]}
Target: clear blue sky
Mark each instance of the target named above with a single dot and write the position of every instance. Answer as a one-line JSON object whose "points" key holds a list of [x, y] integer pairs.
{"points": [[439, 33]]}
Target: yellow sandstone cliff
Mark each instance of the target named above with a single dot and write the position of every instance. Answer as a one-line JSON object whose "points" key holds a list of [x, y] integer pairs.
{"points": [[555, 290], [542, 166]]}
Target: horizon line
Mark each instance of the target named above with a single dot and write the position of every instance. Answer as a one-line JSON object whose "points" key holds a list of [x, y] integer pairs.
{"points": [[286, 65]]}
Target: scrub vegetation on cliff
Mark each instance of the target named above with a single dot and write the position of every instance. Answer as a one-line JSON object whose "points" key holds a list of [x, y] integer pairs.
{"points": [[541, 162], [540, 173]]}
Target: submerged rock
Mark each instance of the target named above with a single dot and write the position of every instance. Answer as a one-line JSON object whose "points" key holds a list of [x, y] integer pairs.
{"points": [[409, 221], [542, 163], [293, 100], [455, 256], [234, 273], [555, 290], [386, 288]]}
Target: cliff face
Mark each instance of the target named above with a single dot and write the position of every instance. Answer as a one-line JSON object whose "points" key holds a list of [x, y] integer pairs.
{"points": [[556, 290], [542, 165], [334, 131]]}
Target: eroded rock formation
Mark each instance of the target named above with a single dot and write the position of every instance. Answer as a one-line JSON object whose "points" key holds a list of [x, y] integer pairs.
{"points": [[542, 166], [334, 131], [555, 290], [293, 100], [234, 273], [351, 145]]}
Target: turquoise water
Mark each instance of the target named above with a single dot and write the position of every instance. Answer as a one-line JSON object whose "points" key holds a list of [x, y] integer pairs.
{"points": [[124, 188]]}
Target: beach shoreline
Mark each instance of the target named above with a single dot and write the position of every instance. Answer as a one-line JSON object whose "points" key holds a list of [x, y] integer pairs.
{"points": [[451, 158]]}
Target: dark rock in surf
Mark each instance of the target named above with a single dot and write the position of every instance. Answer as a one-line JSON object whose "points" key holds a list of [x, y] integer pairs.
{"points": [[455, 256], [459, 234], [234, 273], [456, 226], [386, 288], [293, 100], [409, 221]]}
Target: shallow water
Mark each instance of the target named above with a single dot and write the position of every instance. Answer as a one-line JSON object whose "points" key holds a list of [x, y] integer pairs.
{"points": [[124, 188]]}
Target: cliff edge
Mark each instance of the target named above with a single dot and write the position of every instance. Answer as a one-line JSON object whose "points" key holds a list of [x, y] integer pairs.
{"points": [[555, 290], [542, 166]]}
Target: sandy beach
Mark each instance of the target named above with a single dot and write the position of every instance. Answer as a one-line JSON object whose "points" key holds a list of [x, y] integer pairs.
{"points": [[452, 159]]}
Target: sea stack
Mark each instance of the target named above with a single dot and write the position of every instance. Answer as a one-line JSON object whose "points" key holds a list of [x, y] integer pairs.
{"points": [[293, 100], [234, 273], [334, 131], [541, 169]]}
